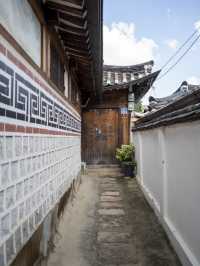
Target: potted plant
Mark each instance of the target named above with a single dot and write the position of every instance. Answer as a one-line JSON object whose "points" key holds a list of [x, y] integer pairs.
{"points": [[126, 156]]}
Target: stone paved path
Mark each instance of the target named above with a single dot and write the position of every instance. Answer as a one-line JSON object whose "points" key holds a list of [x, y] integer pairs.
{"points": [[122, 228], [128, 232]]}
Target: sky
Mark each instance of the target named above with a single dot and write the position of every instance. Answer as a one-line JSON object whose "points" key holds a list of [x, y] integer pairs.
{"points": [[136, 31]]}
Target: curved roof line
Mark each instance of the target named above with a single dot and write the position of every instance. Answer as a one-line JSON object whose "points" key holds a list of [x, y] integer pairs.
{"points": [[130, 67]]}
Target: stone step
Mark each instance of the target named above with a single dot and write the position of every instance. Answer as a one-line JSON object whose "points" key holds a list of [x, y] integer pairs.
{"points": [[104, 173], [97, 166]]}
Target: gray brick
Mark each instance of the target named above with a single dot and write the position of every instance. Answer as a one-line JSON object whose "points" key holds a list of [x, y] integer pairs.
{"points": [[2, 153], [25, 145], [31, 223], [36, 180], [10, 196], [2, 259], [31, 145], [9, 147], [29, 165], [28, 206], [33, 201], [5, 174], [14, 217], [34, 163], [39, 162], [26, 186], [18, 146], [5, 225], [31, 184], [25, 231], [22, 168], [19, 191], [14, 170], [1, 201], [18, 239], [21, 211], [10, 249]]}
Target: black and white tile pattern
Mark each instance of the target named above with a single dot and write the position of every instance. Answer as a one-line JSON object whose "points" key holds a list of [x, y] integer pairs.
{"points": [[24, 100]]}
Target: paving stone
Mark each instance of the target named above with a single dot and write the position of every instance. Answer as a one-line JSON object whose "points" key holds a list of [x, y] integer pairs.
{"points": [[118, 254], [110, 193], [110, 204], [113, 237], [115, 224], [111, 212], [108, 181], [110, 198], [106, 187]]}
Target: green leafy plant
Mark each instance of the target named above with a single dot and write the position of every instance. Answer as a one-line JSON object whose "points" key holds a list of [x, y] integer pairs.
{"points": [[126, 156], [125, 153]]}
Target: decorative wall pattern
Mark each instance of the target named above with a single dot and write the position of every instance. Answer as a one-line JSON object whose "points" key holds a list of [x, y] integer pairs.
{"points": [[35, 171], [24, 100]]}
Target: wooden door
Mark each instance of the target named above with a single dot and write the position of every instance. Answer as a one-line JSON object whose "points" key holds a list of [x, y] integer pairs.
{"points": [[100, 136]]}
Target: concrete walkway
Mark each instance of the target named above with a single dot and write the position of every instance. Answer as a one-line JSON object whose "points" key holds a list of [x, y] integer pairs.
{"points": [[110, 224]]}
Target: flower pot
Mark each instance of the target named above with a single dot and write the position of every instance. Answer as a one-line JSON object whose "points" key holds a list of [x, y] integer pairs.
{"points": [[128, 169]]}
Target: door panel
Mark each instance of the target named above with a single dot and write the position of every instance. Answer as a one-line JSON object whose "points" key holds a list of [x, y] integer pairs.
{"points": [[100, 135]]}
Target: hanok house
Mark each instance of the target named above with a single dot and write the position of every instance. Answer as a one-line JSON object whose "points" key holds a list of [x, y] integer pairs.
{"points": [[106, 124], [50, 61], [167, 147]]}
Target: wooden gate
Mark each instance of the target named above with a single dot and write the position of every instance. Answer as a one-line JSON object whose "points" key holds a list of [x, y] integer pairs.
{"points": [[102, 131]]}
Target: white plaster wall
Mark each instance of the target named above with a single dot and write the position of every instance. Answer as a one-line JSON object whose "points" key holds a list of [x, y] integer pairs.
{"points": [[152, 161], [168, 172]]}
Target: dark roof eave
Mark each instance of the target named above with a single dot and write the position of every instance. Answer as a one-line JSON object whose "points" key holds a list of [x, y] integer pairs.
{"points": [[149, 79], [183, 110], [84, 24]]}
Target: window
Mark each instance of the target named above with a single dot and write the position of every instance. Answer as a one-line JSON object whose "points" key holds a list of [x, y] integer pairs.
{"points": [[20, 21], [56, 68]]}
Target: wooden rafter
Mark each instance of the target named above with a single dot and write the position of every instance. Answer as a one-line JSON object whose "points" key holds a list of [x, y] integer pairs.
{"points": [[76, 21]]}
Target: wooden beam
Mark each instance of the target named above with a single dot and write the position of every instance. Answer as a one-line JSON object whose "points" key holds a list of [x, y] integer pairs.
{"points": [[72, 24], [76, 45], [78, 4], [74, 54], [64, 8], [68, 36], [78, 51], [72, 19], [63, 29], [69, 28], [80, 57]]}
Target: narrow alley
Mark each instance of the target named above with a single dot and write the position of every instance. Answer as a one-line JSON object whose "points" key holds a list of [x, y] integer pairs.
{"points": [[110, 223]]}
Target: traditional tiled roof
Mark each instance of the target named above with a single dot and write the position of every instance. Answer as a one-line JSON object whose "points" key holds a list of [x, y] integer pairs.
{"points": [[182, 106], [183, 90], [122, 74], [138, 86]]}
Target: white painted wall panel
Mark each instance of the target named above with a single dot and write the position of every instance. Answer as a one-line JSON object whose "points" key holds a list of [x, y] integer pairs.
{"points": [[183, 182], [169, 173]]}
